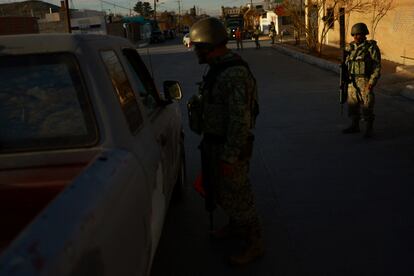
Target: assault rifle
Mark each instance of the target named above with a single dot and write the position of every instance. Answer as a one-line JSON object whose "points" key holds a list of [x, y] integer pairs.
{"points": [[207, 185], [343, 80]]}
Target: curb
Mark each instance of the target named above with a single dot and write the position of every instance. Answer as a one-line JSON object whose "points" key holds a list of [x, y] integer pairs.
{"points": [[322, 63], [407, 92], [142, 45], [405, 69]]}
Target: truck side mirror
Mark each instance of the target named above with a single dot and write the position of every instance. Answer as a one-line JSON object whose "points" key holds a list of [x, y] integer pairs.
{"points": [[172, 90]]}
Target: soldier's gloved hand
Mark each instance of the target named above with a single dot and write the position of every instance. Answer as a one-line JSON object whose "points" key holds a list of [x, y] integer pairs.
{"points": [[226, 169]]}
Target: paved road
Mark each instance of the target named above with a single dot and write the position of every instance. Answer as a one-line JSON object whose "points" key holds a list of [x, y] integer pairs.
{"points": [[331, 204]]}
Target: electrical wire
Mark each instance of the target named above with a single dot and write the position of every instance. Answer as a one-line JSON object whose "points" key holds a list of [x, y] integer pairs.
{"points": [[114, 4]]}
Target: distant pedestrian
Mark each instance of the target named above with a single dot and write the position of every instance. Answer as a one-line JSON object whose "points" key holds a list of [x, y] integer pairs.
{"points": [[256, 35], [282, 34], [272, 32], [296, 36], [364, 67], [239, 38]]}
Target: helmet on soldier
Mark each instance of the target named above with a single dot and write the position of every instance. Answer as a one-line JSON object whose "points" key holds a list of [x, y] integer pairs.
{"points": [[359, 28], [208, 31]]}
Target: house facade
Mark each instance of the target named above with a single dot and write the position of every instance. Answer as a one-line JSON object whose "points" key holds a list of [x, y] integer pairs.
{"points": [[394, 32], [278, 14]]}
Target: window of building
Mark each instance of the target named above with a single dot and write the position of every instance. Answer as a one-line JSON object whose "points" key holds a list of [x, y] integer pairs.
{"points": [[123, 89]]}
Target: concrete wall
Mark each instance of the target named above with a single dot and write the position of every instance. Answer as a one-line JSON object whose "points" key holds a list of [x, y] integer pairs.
{"points": [[89, 25], [52, 27], [116, 29], [10, 25], [86, 13], [52, 17], [394, 34]]}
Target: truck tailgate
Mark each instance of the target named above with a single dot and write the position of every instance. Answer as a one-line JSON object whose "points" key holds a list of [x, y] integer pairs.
{"points": [[99, 223], [24, 192]]}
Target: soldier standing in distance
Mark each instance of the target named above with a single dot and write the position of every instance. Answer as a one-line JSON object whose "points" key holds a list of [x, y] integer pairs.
{"points": [[272, 32], [256, 35], [364, 67], [228, 100]]}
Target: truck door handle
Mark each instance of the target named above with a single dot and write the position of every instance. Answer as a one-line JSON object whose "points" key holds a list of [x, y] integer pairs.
{"points": [[162, 140]]}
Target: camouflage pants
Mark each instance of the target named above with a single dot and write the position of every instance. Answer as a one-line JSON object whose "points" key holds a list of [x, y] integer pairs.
{"points": [[232, 193], [239, 43], [360, 98]]}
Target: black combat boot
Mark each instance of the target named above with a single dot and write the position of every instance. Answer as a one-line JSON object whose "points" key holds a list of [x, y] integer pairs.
{"points": [[369, 129], [353, 128], [253, 251]]}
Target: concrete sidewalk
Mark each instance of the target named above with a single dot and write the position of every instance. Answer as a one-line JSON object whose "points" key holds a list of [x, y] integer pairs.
{"points": [[395, 80]]}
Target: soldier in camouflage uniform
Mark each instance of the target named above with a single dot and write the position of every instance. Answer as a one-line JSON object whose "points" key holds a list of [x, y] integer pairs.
{"points": [[227, 109], [364, 67]]}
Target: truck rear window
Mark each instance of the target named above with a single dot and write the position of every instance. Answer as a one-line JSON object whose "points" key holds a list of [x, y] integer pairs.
{"points": [[43, 104]]}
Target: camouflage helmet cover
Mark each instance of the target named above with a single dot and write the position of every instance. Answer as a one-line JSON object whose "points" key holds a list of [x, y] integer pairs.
{"points": [[209, 31], [359, 28]]}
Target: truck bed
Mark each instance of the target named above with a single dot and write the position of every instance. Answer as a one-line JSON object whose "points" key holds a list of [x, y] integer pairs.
{"points": [[26, 191]]}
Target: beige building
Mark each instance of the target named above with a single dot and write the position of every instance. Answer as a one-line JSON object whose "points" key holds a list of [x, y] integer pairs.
{"points": [[394, 33]]}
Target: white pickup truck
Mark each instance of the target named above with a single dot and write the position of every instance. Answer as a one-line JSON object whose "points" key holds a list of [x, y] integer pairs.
{"points": [[90, 153]]}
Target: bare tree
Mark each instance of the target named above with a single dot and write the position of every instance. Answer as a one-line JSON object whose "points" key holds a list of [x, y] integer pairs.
{"points": [[328, 11], [296, 14], [379, 9], [329, 19]]}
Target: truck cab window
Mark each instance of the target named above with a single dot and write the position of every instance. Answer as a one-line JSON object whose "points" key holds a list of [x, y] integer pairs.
{"points": [[123, 89], [147, 90], [44, 104]]}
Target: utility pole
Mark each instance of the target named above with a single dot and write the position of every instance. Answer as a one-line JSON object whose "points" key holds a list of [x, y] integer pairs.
{"points": [[155, 10], [301, 13], [342, 28], [179, 15], [68, 16]]}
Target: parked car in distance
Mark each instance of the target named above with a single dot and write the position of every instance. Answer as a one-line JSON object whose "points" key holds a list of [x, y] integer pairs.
{"points": [[186, 40], [90, 156], [157, 36], [169, 34], [186, 30]]}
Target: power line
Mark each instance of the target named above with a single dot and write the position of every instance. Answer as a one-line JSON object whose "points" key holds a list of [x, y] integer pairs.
{"points": [[233, 1], [114, 4]]}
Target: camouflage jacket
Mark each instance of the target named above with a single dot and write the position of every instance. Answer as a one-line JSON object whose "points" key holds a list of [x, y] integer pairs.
{"points": [[364, 60], [227, 105]]}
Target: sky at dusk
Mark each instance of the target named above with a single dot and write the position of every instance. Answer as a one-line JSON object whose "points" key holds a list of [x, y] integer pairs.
{"points": [[211, 7]]}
